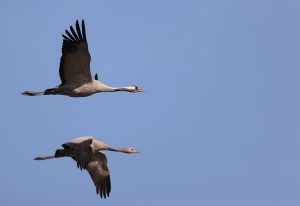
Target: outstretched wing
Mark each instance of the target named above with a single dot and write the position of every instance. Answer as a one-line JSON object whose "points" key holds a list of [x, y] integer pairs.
{"points": [[75, 60], [81, 150], [99, 173]]}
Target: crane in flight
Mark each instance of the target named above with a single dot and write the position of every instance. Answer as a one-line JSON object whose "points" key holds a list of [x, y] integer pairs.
{"points": [[85, 151], [74, 69]]}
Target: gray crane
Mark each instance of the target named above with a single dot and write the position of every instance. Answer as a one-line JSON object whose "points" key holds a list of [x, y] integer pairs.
{"points": [[74, 70], [85, 151]]}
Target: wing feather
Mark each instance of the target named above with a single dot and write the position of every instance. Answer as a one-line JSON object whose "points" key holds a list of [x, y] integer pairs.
{"points": [[83, 30], [70, 35], [99, 173], [75, 60], [82, 152], [78, 30], [66, 38], [74, 33]]}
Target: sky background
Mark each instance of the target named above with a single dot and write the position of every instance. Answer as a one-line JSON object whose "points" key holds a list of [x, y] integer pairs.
{"points": [[218, 124]]}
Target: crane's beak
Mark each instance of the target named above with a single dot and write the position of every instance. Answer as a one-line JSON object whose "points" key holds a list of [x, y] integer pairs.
{"points": [[140, 90], [138, 152]]}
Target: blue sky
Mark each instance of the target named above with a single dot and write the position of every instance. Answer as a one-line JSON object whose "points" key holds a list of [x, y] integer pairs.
{"points": [[218, 124]]}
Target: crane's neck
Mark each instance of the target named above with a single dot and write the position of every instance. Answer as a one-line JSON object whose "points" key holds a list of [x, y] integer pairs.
{"points": [[115, 89], [105, 88], [124, 89], [124, 150]]}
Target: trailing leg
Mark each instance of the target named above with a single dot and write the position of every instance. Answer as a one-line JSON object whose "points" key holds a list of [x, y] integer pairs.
{"points": [[59, 153], [31, 93]]}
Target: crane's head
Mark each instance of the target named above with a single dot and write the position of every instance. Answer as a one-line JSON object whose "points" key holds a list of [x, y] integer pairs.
{"points": [[135, 89], [131, 151]]}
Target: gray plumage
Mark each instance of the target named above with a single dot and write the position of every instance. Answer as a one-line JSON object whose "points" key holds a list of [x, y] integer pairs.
{"points": [[85, 151]]}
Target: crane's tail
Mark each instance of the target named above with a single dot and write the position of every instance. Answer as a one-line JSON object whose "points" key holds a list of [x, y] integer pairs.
{"points": [[31, 93], [63, 153]]}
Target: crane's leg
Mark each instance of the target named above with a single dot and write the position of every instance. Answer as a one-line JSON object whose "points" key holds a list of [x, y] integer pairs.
{"points": [[52, 91], [59, 153], [31, 93], [44, 157]]}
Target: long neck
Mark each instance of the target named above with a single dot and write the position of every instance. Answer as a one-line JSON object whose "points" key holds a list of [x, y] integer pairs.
{"points": [[124, 89], [116, 89], [105, 88], [124, 150]]}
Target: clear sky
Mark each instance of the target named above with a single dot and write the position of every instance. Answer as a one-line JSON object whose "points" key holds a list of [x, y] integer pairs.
{"points": [[218, 124]]}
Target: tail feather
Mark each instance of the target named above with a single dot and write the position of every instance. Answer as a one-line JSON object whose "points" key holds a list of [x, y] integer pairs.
{"points": [[63, 153], [52, 91], [31, 93]]}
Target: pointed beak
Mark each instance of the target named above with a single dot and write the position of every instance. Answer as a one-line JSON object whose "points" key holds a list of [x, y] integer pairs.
{"points": [[138, 152], [140, 90]]}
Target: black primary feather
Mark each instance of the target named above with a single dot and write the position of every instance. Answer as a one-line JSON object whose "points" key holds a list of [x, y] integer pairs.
{"points": [[74, 33], [78, 30], [66, 38], [83, 30], [70, 35]]}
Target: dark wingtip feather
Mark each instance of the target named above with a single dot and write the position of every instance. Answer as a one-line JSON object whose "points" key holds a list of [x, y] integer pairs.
{"points": [[66, 38], [74, 33], [83, 30], [70, 35], [104, 189], [78, 30], [108, 185], [78, 35], [101, 188]]}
